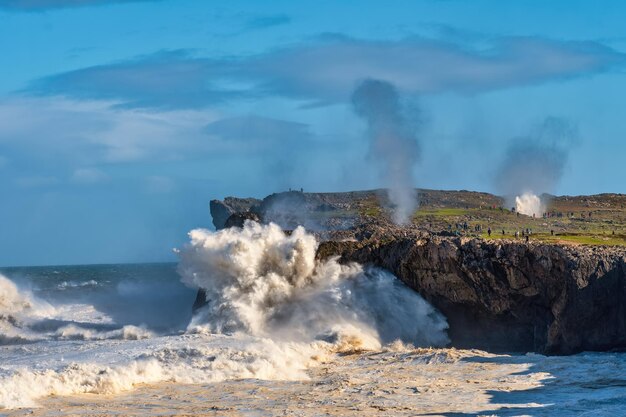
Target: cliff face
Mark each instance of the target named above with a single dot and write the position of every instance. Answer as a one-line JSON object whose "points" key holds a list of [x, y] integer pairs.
{"points": [[498, 295], [507, 296], [315, 211]]}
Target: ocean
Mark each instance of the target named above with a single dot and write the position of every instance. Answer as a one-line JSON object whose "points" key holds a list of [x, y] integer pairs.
{"points": [[281, 334]]}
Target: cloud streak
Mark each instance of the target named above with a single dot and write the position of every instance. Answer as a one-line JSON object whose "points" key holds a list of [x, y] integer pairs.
{"points": [[327, 70], [92, 132], [259, 131], [168, 79], [81, 143]]}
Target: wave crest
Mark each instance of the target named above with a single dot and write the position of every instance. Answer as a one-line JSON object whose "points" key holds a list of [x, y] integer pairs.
{"points": [[18, 309]]}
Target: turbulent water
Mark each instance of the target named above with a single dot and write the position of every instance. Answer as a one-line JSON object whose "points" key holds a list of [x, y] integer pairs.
{"points": [[349, 336]]}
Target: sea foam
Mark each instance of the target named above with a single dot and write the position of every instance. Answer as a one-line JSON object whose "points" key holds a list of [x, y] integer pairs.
{"points": [[18, 309], [272, 312]]}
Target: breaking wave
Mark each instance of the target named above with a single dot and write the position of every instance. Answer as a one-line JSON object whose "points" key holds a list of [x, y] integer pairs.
{"points": [[73, 284], [128, 332], [272, 311], [260, 281], [19, 309], [190, 359]]}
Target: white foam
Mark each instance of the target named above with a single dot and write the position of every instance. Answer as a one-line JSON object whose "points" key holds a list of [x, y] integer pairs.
{"points": [[18, 309], [529, 204], [112, 366], [77, 284], [128, 332], [81, 313], [283, 310], [263, 282]]}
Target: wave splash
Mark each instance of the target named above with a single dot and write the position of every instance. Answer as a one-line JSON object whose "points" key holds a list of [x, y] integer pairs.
{"points": [[273, 311], [529, 204], [262, 282], [19, 309]]}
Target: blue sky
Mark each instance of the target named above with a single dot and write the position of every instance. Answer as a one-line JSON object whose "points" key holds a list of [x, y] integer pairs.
{"points": [[120, 120]]}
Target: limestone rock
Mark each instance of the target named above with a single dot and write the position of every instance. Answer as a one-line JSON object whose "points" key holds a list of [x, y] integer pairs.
{"points": [[508, 295]]}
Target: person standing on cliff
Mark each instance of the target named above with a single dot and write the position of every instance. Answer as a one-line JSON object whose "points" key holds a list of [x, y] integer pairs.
{"points": [[489, 231]]}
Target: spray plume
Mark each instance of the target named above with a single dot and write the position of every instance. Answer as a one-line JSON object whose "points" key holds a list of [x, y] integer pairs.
{"points": [[262, 282], [533, 165], [393, 142]]}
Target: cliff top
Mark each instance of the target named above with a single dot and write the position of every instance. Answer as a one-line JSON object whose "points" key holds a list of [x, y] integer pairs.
{"points": [[580, 220]]}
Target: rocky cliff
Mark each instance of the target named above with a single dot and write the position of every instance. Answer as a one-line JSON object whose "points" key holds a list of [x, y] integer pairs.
{"points": [[222, 210], [507, 295], [498, 295]]}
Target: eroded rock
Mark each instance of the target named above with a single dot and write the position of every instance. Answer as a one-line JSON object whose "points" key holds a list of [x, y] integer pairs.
{"points": [[508, 295]]}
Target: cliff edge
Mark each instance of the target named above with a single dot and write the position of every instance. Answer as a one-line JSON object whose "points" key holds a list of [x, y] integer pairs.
{"points": [[499, 293], [506, 295]]}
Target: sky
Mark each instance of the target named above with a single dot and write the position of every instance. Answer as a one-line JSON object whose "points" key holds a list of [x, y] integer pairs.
{"points": [[121, 120]]}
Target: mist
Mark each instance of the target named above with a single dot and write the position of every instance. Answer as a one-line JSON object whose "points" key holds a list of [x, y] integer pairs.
{"points": [[393, 142], [534, 164]]}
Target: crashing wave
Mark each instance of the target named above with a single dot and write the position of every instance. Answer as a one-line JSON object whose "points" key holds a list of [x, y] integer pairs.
{"points": [[273, 311], [19, 309], [128, 332], [263, 282]]}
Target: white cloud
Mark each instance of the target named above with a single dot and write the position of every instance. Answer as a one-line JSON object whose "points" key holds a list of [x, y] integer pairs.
{"points": [[327, 71], [72, 140], [91, 132]]}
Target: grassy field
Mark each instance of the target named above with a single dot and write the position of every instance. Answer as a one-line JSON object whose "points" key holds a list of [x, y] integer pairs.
{"points": [[581, 220]]}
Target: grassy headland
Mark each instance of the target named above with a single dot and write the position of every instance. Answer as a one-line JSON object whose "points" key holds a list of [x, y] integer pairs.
{"points": [[585, 220]]}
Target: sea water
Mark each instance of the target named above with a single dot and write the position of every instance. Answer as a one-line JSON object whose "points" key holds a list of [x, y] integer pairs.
{"points": [[354, 337]]}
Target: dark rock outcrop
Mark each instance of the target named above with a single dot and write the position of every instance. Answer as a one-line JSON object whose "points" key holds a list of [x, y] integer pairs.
{"points": [[507, 295], [289, 209], [222, 210], [238, 219], [498, 295]]}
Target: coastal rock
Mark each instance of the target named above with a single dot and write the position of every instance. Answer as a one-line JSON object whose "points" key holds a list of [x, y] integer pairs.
{"points": [[238, 219], [498, 295], [507, 295], [222, 210]]}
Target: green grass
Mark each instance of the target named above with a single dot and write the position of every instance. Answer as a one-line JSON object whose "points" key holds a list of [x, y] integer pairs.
{"points": [[371, 211], [442, 212], [580, 239], [609, 240]]}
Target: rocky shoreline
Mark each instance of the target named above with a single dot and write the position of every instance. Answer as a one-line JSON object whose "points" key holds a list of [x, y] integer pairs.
{"points": [[507, 295], [498, 295]]}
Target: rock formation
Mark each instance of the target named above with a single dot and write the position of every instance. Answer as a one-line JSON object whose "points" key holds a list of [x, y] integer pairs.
{"points": [[507, 295], [222, 210], [498, 295]]}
